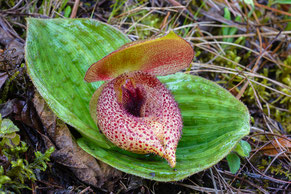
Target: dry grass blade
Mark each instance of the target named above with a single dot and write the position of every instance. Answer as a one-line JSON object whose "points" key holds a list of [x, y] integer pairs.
{"points": [[266, 34], [240, 46], [75, 9]]}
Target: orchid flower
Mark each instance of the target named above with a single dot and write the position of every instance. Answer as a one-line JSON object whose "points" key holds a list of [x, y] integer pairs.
{"points": [[133, 109], [130, 101]]}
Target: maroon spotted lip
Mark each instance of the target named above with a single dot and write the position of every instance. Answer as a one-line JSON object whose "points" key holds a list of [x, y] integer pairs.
{"points": [[134, 110]]}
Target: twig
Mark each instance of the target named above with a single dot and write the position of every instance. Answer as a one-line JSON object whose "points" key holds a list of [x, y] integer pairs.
{"points": [[237, 45], [256, 67], [264, 177], [273, 134], [213, 181], [135, 23], [273, 9], [16, 6], [264, 34], [184, 9], [75, 9], [86, 190], [143, 7], [163, 24], [266, 170], [244, 180], [201, 189]]}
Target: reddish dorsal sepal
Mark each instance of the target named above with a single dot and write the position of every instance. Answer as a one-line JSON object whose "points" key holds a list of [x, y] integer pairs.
{"points": [[161, 56], [154, 127]]}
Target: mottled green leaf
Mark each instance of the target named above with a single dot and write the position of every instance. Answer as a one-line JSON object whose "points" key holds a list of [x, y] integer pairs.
{"points": [[58, 54], [243, 148], [233, 162]]}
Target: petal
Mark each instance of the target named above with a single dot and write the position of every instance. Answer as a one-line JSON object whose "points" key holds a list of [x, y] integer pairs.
{"points": [[94, 101], [160, 56], [157, 126]]}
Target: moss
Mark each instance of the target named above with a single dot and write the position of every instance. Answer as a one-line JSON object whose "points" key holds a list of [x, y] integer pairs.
{"points": [[274, 169], [15, 171]]}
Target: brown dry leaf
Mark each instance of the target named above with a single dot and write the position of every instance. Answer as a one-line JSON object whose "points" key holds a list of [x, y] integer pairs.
{"points": [[69, 154], [273, 148], [3, 78], [12, 42], [7, 108]]}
